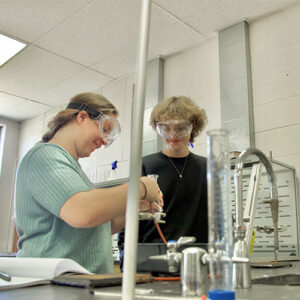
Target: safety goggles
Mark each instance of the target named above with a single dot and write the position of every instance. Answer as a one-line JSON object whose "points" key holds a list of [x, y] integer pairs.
{"points": [[178, 128], [109, 126]]}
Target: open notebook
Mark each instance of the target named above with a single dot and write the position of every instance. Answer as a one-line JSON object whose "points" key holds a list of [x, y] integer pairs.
{"points": [[35, 271]]}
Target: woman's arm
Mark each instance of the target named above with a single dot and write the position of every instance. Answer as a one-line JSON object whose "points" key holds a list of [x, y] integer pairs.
{"points": [[96, 207], [117, 224]]}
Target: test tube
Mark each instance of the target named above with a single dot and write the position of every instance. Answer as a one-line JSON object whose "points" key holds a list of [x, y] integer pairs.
{"points": [[219, 210]]}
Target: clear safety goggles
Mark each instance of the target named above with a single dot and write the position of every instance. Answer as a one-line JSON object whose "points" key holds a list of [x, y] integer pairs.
{"points": [[178, 128], [109, 126]]}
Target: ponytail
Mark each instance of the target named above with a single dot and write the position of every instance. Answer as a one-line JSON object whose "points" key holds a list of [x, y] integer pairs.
{"points": [[60, 120]]}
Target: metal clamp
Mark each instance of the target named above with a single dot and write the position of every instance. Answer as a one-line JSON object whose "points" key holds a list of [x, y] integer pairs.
{"points": [[173, 257], [156, 217], [270, 229]]}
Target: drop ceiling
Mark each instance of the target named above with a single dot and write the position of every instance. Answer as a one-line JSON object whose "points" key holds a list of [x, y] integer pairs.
{"points": [[80, 45]]}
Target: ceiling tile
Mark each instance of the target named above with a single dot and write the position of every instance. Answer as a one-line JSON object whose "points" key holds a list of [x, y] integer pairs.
{"points": [[123, 61], [84, 81], [160, 20], [30, 19], [33, 71], [25, 110], [118, 64], [114, 27], [175, 39], [70, 35], [172, 39], [184, 8], [7, 102], [230, 12], [97, 31]]}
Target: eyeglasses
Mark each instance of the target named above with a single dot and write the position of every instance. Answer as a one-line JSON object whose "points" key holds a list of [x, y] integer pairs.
{"points": [[178, 128], [109, 126]]}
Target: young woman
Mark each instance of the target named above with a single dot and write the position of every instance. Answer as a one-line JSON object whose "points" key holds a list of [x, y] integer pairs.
{"points": [[59, 213], [181, 174]]}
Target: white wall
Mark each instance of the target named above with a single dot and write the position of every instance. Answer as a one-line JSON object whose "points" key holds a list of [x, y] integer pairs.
{"points": [[31, 131], [275, 57], [195, 74], [275, 63], [9, 162]]}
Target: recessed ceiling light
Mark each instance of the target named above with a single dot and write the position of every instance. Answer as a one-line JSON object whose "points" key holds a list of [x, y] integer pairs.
{"points": [[9, 48]]}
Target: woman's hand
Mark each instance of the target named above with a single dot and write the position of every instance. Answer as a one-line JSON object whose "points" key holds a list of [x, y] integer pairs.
{"points": [[150, 192], [157, 205]]}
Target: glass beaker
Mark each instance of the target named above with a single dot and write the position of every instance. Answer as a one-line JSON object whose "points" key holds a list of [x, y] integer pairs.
{"points": [[219, 210]]}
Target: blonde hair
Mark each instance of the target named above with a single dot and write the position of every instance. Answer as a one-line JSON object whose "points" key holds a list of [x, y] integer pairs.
{"points": [[180, 108], [93, 100]]}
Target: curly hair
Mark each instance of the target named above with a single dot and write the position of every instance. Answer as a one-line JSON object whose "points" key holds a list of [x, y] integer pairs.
{"points": [[180, 108], [95, 101]]}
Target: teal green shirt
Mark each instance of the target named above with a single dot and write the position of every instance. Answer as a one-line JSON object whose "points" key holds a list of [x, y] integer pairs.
{"points": [[48, 176]]}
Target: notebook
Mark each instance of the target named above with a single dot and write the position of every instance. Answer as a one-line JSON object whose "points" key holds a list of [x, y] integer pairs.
{"points": [[35, 271]]}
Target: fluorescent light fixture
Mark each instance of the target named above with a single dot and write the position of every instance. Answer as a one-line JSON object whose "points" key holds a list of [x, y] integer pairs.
{"points": [[9, 48]]}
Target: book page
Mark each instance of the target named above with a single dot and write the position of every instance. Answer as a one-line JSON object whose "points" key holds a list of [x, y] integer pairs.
{"points": [[43, 268], [18, 282], [68, 265], [33, 271]]}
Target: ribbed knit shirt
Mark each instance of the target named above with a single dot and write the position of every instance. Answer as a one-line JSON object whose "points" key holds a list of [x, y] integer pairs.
{"points": [[47, 177]]}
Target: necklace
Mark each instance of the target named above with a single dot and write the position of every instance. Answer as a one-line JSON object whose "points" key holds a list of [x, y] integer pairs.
{"points": [[179, 173]]}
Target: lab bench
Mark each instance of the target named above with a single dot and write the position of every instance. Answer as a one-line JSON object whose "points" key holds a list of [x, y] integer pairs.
{"points": [[162, 290]]}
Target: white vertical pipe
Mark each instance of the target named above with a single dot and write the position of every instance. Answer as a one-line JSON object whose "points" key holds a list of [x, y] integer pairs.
{"points": [[11, 215], [133, 197]]}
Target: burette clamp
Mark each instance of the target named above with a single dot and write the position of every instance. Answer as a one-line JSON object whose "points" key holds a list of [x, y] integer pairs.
{"points": [[156, 217]]}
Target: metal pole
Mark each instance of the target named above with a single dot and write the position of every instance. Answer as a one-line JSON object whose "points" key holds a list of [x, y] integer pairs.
{"points": [[133, 197]]}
